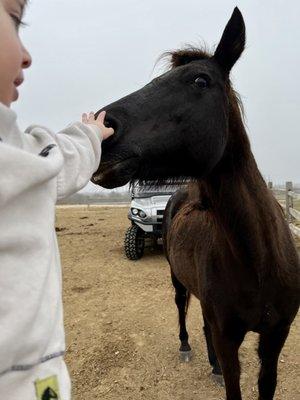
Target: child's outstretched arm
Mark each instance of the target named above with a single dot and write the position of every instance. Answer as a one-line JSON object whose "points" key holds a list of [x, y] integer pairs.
{"points": [[30, 160], [80, 145]]}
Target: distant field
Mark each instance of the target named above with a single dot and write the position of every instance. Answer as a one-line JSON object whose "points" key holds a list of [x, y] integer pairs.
{"points": [[96, 198]]}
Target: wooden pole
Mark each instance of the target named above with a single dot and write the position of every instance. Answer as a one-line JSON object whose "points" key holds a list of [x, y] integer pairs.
{"points": [[288, 200]]}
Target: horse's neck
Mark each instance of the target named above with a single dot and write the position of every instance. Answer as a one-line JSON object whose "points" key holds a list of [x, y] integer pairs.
{"points": [[241, 205], [242, 192], [238, 192], [248, 220]]}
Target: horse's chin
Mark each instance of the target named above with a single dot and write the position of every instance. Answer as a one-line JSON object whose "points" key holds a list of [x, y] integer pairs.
{"points": [[112, 175]]}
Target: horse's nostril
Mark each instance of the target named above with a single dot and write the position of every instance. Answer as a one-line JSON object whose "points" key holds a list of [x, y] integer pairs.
{"points": [[110, 123]]}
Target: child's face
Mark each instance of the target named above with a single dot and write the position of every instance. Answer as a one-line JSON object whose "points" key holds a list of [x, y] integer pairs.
{"points": [[13, 55]]}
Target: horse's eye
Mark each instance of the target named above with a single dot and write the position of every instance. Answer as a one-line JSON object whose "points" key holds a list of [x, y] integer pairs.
{"points": [[202, 82]]}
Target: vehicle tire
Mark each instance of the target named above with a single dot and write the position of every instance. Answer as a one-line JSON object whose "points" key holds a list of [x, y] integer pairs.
{"points": [[134, 243]]}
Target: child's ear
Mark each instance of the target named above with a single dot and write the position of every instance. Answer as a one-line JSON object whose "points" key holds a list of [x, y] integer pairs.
{"points": [[232, 42]]}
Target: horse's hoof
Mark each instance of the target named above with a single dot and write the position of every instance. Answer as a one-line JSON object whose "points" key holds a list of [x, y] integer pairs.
{"points": [[185, 356], [218, 379]]}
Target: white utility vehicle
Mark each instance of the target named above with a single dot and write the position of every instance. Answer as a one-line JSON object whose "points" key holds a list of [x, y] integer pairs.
{"points": [[146, 214]]}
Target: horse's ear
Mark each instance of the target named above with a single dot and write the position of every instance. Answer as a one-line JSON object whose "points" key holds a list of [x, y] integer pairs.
{"points": [[232, 42]]}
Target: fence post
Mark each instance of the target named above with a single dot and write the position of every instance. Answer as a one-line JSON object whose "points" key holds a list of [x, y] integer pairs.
{"points": [[288, 200], [270, 185]]}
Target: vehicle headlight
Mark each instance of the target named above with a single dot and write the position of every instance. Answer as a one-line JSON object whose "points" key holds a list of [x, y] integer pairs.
{"points": [[142, 214], [134, 211]]}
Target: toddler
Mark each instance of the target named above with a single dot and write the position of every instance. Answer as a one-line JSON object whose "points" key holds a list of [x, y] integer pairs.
{"points": [[36, 168]]}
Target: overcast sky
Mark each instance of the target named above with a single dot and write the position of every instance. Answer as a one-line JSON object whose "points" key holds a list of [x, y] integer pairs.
{"points": [[88, 53]]}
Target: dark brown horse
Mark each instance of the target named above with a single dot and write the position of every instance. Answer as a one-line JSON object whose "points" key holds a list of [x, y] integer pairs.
{"points": [[225, 236]]}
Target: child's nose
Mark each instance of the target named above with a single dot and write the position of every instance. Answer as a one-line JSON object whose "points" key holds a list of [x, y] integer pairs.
{"points": [[27, 60]]}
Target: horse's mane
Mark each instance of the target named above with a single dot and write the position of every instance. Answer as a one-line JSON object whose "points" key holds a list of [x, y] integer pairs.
{"points": [[184, 56]]}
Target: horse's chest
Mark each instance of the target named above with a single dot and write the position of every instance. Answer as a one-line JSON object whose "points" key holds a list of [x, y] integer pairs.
{"points": [[202, 261], [190, 248]]}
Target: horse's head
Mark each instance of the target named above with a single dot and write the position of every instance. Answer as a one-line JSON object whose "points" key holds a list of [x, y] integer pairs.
{"points": [[177, 125]]}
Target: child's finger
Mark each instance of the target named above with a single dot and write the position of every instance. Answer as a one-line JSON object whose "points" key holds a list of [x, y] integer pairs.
{"points": [[84, 118], [101, 117], [92, 116]]}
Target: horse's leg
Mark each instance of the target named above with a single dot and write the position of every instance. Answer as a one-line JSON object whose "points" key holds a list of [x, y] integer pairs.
{"points": [[270, 346], [212, 358], [227, 345], [182, 300]]}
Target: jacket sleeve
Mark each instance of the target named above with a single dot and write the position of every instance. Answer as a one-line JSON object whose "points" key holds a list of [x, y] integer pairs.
{"points": [[80, 145]]}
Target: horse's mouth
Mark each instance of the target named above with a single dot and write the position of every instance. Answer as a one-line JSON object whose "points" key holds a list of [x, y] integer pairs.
{"points": [[112, 175]]}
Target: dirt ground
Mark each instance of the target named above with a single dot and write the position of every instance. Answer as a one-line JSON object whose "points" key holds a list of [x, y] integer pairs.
{"points": [[121, 322]]}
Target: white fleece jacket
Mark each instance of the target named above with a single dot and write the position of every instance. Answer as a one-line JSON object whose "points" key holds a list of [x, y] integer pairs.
{"points": [[36, 168]]}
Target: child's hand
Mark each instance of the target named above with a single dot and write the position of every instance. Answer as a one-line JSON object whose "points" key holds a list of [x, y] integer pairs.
{"points": [[90, 119]]}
